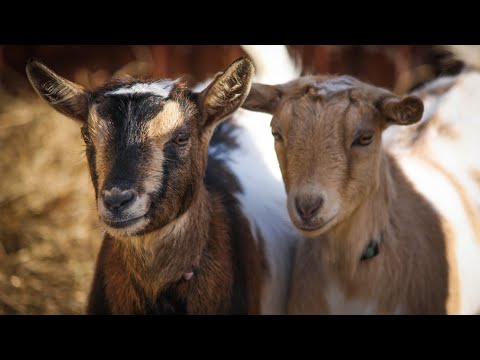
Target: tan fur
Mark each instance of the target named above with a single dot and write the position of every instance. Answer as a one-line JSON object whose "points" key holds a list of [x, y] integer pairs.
{"points": [[366, 193], [422, 151], [419, 285], [447, 130], [443, 128], [453, 300], [467, 203], [418, 133], [169, 119], [99, 129], [476, 176], [154, 171]]}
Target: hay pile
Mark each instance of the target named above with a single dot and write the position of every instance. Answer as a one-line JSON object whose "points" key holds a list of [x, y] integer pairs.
{"points": [[49, 233]]}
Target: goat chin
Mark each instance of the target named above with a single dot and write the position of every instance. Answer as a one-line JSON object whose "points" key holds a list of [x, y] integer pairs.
{"points": [[130, 230], [320, 230]]}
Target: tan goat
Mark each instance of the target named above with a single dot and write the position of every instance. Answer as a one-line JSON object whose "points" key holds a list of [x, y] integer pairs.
{"points": [[390, 214]]}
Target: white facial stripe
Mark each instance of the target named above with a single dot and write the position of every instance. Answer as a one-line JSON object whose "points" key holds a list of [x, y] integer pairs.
{"points": [[159, 88]]}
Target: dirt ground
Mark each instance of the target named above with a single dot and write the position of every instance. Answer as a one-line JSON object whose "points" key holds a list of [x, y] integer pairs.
{"points": [[49, 233]]}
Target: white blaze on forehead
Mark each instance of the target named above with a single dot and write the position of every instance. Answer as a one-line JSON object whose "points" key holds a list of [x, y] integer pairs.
{"points": [[159, 88]]}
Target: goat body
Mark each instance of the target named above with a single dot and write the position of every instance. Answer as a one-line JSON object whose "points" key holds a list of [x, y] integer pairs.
{"points": [[390, 214]]}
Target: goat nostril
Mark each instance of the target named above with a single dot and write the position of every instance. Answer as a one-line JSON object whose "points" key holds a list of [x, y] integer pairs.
{"points": [[316, 205], [116, 199], [308, 207]]}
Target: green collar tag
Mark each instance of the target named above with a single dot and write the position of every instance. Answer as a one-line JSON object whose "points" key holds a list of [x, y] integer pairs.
{"points": [[372, 248]]}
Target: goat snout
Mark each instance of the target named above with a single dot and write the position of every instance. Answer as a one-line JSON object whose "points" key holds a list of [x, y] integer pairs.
{"points": [[308, 206], [117, 199]]}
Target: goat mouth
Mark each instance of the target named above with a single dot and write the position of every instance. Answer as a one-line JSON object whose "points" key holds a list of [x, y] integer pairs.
{"points": [[123, 223], [314, 227]]}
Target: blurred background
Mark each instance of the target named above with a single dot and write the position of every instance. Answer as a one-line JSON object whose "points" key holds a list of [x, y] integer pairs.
{"points": [[49, 234]]}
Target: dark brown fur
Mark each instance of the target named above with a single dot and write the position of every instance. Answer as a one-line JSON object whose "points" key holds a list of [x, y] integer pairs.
{"points": [[189, 225]]}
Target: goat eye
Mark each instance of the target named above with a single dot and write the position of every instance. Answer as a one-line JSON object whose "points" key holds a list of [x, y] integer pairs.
{"points": [[181, 139], [363, 140], [277, 135]]}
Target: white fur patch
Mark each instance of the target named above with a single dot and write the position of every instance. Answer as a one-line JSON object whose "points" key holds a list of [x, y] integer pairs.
{"points": [[445, 199], [158, 88], [459, 111], [254, 162], [263, 200]]}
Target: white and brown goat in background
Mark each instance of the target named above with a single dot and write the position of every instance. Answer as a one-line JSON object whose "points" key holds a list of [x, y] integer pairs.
{"points": [[390, 214], [193, 217]]}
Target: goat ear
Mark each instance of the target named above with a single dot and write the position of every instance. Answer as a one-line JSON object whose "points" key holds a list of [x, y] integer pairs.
{"points": [[227, 91], [402, 111], [263, 98], [64, 96]]}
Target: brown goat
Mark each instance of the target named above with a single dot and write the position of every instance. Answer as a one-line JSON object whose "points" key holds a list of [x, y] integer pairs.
{"points": [[176, 239], [391, 227]]}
